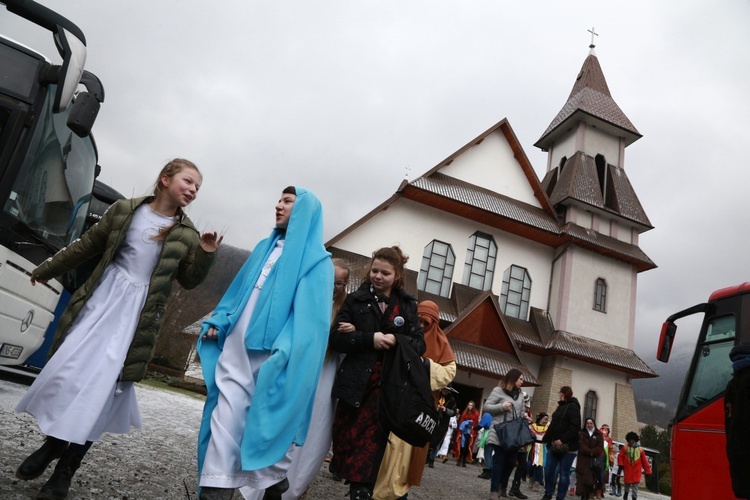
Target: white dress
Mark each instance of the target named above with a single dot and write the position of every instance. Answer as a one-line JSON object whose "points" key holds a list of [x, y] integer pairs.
{"points": [[307, 459], [236, 372], [77, 396], [443, 451]]}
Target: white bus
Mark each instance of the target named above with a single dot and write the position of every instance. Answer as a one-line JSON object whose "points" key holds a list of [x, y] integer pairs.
{"points": [[48, 164]]}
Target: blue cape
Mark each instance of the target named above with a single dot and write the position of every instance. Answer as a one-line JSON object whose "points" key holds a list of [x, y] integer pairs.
{"points": [[291, 321]]}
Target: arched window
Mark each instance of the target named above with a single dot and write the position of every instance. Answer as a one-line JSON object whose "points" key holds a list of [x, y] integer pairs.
{"points": [[589, 406], [600, 295], [436, 272], [480, 261], [516, 292]]}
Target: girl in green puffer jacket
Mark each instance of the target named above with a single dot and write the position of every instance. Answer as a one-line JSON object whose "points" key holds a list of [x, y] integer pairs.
{"points": [[108, 331]]}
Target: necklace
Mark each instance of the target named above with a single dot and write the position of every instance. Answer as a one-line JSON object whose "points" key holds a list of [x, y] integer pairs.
{"points": [[158, 223]]}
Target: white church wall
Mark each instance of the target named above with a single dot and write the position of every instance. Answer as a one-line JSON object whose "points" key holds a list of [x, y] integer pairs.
{"points": [[564, 147], [492, 165], [598, 142], [612, 326], [412, 226], [588, 377]]}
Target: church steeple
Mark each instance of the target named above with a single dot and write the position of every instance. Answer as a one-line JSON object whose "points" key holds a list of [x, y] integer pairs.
{"points": [[586, 152], [589, 101]]}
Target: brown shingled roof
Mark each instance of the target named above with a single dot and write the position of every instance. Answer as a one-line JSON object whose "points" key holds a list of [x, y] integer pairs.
{"points": [[490, 362], [578, 180], [590, 97]]}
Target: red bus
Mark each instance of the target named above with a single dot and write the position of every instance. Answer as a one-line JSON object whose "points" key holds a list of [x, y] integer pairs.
{"points": [[698, 458]]}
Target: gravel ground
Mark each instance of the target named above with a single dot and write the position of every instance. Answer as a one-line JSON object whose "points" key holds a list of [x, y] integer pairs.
{"points": [[159, 461]]}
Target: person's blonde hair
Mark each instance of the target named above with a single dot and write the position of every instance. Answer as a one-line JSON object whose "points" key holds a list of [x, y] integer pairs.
{"points": [[339, 298], [172, 168]]}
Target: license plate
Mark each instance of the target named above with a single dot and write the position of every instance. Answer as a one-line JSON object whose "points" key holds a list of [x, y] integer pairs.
{"points": [[11, 351]]}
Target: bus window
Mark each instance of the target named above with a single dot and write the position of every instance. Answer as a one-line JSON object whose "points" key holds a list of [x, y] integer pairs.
{"points": [[720, 329], [713, 369], [53, 189]]}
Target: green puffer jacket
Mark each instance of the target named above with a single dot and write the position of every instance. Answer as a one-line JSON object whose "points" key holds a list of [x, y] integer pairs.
{"points": [[181, 258]]}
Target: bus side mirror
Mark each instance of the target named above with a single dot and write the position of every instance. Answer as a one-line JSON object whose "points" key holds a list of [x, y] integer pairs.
{"points": [[83, 114], [666, 340]]}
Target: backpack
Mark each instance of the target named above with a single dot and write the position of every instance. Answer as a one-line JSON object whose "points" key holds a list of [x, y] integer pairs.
{"points": [[406, 406]]}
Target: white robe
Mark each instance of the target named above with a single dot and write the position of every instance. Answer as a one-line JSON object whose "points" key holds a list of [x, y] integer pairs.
{"points": [[77, 396], [236, 372]]}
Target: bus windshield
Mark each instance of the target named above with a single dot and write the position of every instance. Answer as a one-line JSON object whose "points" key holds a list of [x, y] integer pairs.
{"points": [[52, 192], [712, 369]]}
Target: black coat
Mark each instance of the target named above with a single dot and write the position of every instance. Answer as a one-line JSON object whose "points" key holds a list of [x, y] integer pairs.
{"points": [[565, 424], [361, 309]]}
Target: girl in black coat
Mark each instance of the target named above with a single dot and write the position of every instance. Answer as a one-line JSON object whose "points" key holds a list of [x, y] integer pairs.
{"points": [[562, 432], [364, 329]]}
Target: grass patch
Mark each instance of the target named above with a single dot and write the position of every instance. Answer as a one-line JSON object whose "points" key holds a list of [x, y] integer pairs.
{"points": [[159, 383]]}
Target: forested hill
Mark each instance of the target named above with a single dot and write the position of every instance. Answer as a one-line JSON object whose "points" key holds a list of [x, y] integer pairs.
{"points": [[656, 398], [185, 307]]}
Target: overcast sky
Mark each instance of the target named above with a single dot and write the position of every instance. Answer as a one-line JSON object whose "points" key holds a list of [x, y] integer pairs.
{"points": [[345, 97]]}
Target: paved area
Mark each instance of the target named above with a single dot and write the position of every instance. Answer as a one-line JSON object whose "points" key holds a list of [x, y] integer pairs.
{"points": [[159, 461]]}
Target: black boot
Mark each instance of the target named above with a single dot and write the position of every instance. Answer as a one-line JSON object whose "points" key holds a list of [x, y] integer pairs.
{"points": [[515, 490], [36, 463], [56, 488], [275, 491], [485, 474], [431, 463]]}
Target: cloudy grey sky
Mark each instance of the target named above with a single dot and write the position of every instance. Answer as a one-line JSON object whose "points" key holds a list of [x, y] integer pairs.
{"points": [[342, 97]]}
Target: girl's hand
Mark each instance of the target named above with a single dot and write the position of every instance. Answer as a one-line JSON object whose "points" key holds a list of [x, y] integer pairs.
{"points": [[507, 406], [345, 327], [383, 341], [210, 334], [34, 281], [210, 242]]}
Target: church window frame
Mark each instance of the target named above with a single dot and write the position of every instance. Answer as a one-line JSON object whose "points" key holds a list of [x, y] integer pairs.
{"points": [[591, 402], [515, 295], [481, 254], [436, 270], [600, 295]]}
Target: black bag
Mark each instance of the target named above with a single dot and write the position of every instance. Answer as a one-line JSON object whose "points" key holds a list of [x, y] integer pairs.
{"points": [[513, 434], [597, 463], [406, 406]]}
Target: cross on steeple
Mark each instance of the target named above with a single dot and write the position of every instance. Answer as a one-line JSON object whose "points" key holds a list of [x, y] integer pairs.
{"points": [[593, 34]]}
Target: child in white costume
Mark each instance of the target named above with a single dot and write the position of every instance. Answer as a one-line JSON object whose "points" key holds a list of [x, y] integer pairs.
{"points": [[108, 331]]}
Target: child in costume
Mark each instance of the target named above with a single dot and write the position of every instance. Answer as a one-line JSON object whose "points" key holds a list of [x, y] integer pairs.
{"points": [[634, 461], [107, 334]]}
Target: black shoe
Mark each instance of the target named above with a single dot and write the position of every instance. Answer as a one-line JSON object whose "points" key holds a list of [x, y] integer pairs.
{"points": [[361, 493], [56, 488], [210, 493], [485, 474], [546, 497], [275, 491], [515, 491], [36, 463]]}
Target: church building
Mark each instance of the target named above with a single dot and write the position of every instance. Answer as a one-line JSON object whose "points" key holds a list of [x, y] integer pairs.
{"points": [[529, 274]]}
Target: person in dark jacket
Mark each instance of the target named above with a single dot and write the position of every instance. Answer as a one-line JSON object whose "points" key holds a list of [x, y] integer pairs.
{"points": [[736, 417], [108, 332], [562, 440], [591, 445], [364, 330]]}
